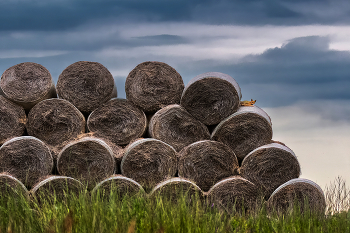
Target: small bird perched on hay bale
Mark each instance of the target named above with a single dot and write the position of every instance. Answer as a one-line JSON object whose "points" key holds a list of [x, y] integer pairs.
{"points": [[247, 102]]}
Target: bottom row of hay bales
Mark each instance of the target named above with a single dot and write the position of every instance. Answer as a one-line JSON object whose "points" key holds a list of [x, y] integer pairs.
{"points": [[233, 194]]}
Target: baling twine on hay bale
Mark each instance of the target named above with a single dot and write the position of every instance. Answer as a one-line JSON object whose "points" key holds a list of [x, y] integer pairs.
{"points": [[206, 162], [299, 192], [10, 186], [149, 161], [270, 166], [234, 194], [153, 85], [245, 130], [89, 160], [118, 121], [86, 85], [175, 126], [26, 158], [211, 97], [12, 120], [27, 84]]}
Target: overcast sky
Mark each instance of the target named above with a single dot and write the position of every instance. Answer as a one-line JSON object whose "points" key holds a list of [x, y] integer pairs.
{"points": [[292, 56]]}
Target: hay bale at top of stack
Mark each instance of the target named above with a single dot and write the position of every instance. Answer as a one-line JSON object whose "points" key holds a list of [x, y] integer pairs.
{"points": [[302, 193], [27, 84], [206, 162], [175, 126], [211, 97], [118, 121], [245, 130], [86, 85], [153, 85], [11, 186], [269, 166], [12, 120], [56, 122], [26, 158]]}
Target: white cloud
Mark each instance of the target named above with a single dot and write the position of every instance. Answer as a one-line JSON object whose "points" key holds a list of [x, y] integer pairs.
{"points": [[15, 53]]}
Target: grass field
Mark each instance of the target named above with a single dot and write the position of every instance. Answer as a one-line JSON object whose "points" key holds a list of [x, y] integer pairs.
{"points": [[140, 214]]}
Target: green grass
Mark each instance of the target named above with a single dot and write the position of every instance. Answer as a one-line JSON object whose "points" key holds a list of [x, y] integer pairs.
{"points": [[141, 214]]}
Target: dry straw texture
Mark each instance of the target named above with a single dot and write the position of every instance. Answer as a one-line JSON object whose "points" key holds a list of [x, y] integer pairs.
{"points": [[26, 158], [211, 97], [118, 121], [207, 162], [270, 166], [175, 126], [301, 192], [244, 131], [56, 122], [149, 161], [27, 84], [234, 194], [89, 160], [87, 85], [11, 187], [12, 120], [153, 85]]}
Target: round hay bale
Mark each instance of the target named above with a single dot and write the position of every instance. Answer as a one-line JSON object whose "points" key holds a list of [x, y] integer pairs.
{"points": [[234, 194], [118, 120], [176, 188], [26, 158], [175, 126], [211, 97], [12, 120], [56, 122], [206, 162], [90, 160], [86, 85], [153, 85], [149, 161], [301, 192], [117, 185], [56, 187], [245, 130], [11, 187], [27, 84], [270, 166]]}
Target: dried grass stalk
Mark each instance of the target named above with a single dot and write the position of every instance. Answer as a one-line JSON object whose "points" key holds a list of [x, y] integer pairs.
{"points": [[149, 161], [12, 120], [270, 166], [87, 85], [118, 121], [211, 97], [175, 126], [26, 158], [302, 193], [89, 160], [11, 187], [153, 85], [245, 130], [234, 194], [27, 84], [56, 122], [206, 162]]}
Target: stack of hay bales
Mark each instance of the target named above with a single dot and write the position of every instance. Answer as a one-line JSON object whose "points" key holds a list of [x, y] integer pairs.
{"points": [[196, 139]]}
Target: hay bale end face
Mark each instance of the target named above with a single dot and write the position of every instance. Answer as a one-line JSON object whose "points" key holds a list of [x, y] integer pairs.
{"points": [[270, 166], [11, 187], [153, 85], [88, 160], [245, 130], [118, 121], [86, 85], [234, 194], [206, 162], [175, 126], [27, 84], [149, 161], [211, 97], [12, 120], [26, 158], [302, 193]]}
